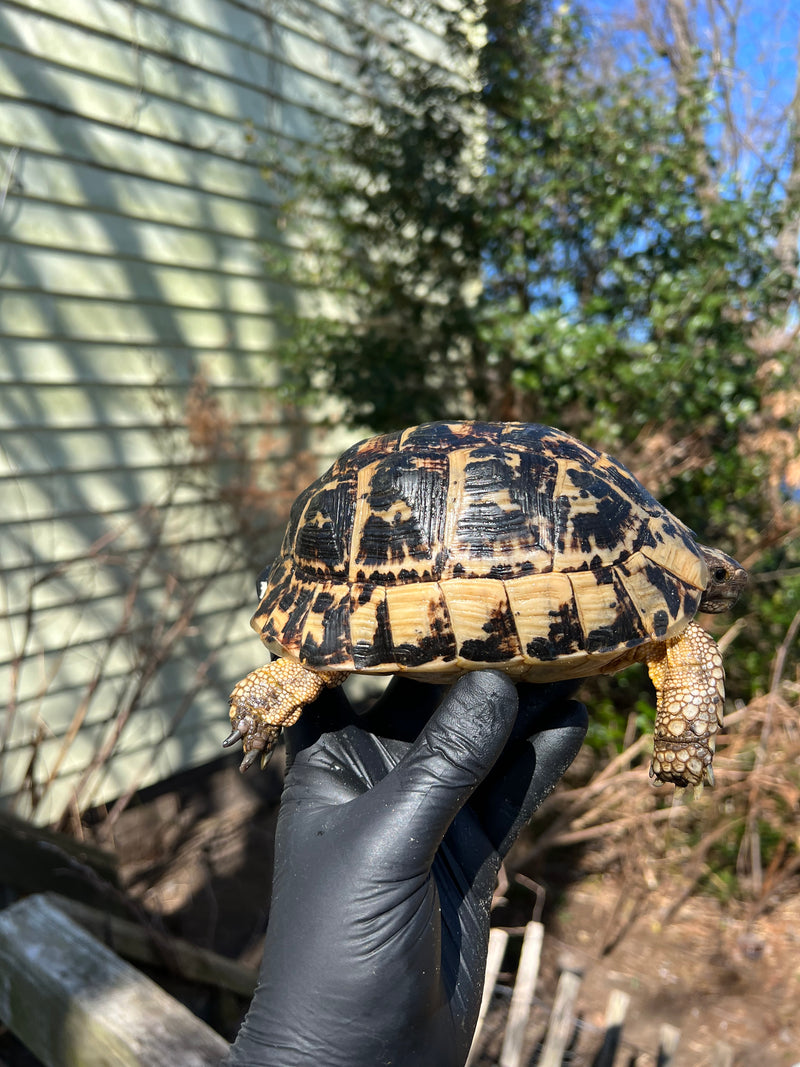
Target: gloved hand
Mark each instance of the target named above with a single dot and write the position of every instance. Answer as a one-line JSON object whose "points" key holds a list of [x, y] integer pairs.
{"points": [[390, 835]]}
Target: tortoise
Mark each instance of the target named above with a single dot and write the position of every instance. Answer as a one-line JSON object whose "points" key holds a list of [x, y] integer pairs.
{"points": [[459, 546]]}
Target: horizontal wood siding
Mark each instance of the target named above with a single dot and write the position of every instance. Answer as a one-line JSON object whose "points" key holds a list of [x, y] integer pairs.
{"points": [[142, 434]]}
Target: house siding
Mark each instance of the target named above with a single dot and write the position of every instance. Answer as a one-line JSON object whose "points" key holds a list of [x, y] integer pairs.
{"points": [[137, 386]]}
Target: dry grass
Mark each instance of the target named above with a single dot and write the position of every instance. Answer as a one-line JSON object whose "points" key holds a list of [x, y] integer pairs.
{"points": [[740, 839]]}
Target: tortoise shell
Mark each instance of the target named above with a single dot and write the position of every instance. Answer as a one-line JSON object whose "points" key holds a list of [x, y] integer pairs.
{"points": [[451, 547]]}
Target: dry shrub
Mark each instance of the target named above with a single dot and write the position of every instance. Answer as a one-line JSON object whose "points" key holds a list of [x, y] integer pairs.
{"points": [[233, 461]]}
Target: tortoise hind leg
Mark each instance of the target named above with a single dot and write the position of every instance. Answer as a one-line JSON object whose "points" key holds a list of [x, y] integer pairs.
{"points": [[270, 698], [690, 686]]}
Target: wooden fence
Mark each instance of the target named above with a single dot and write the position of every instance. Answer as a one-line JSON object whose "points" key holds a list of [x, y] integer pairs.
{"points": [[563, 1020]]}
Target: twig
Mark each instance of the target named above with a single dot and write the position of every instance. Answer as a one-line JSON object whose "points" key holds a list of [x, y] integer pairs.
{"points": [[610, 829], [578, 799], [697, 865], [731, 634], [751, 840]]}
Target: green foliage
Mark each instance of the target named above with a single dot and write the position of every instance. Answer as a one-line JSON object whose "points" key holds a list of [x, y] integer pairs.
{"points": [[607, 728], [401, 246]]}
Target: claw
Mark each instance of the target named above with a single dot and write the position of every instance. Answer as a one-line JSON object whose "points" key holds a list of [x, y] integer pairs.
{"points": [[249, 759], [266, 757], [710, 775], [234, 736]]}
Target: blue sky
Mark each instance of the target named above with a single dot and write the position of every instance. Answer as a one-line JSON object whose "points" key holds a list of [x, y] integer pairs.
{"points": [[766, 52]]}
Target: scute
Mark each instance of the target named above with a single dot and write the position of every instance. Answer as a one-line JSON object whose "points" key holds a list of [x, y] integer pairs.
{"points": [[452, 546], [401, 502]]}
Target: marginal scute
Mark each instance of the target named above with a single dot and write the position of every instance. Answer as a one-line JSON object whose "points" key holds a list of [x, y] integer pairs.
{"points": [[282, 614], [674, 554], [482, 621], [370, 634], [419, 626], [608, 617], [546, 616], [326, 634], [657, 595]]}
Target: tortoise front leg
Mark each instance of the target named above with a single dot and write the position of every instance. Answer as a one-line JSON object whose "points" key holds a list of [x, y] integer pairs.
{"points": [[689, 678], [270, 698]]}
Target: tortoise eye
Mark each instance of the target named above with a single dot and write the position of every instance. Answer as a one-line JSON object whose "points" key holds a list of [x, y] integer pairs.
{"points": [[720, 574]]}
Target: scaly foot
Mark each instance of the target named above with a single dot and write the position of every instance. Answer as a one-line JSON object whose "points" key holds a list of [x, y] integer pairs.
{"points": [[270, 698], [689, 678]]}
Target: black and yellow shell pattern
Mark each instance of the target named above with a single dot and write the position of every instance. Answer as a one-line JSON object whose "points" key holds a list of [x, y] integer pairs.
{"points": [[450, 547]]}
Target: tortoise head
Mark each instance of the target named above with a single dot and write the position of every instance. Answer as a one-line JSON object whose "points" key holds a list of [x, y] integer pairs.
{"points": [[726, 580]]}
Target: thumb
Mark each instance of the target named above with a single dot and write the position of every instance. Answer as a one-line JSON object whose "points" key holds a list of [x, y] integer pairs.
{"points": [[452, 755]]}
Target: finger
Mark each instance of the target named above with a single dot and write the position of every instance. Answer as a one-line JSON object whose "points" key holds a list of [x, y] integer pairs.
{"points": [[452, 755], [530, 768], [403, 708]]}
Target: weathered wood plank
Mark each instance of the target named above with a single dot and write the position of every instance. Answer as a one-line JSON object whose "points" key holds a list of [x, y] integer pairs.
{"points": [[34, 859], [141, 944], [498, 939], [617, 1009], [562, 1020], [722, 1056], [72, 1001], [668, 1040], [522, 996]]}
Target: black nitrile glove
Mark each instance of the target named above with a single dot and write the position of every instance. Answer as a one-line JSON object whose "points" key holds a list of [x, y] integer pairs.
{"points": [[390, 836]]}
